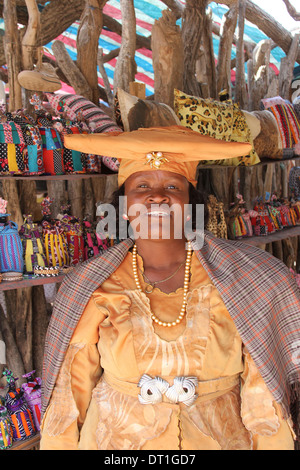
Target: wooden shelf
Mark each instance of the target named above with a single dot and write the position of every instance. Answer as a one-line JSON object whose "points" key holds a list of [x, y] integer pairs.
{"points": [[273, 237], [53, 177], [265, 161], [28, 444], [37, 281]]}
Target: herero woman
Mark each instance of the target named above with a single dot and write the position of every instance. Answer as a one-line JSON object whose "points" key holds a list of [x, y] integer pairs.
{"points": [[168, 342]]}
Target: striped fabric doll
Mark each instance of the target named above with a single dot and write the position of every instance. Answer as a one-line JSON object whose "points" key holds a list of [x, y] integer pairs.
{"points": [[32, 391], [18, 410], [6, 431]]}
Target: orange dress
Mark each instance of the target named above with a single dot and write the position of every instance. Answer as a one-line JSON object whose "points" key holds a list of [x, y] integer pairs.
{"points": [[95, 402]]}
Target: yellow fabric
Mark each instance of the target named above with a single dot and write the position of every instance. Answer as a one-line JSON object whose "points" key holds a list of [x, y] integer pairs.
{"points": [[12, 158], [221, 120], [116, 331]]}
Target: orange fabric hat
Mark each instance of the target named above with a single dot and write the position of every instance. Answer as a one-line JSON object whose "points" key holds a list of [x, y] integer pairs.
{"points": [[175, 148]]}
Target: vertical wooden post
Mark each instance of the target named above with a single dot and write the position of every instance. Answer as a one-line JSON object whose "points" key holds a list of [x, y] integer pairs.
{"points": [[240, 59], [192, 26], [167, 50], [126, 67], [225, 45], [87, 43], [12, 53]]}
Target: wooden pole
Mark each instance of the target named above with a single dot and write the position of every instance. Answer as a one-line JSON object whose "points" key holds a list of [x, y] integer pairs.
{"points": [[12, 48], [167, 50], [240, 59], [126, 67]]}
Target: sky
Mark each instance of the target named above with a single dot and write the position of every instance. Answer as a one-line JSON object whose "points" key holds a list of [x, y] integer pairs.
{"points": [[277, 9]]}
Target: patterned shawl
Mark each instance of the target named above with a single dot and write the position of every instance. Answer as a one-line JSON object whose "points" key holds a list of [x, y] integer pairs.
{"points": [[257, 289]]}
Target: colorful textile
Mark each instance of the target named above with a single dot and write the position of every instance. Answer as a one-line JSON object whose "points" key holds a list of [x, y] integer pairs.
{"points": [[77, 107], [32, 392], [221, 120], [74, 162], [11, 249], [240, 272], [288, 124], [33, 154], [33, 249], [55, 244], [52, 151], [6, 431], [20, 415]]}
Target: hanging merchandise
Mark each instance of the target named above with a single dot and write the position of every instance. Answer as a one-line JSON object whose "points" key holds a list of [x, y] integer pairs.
{"points": [[12, 145], [6, 430], [18, 410], [33, 248], [11, 250], [33, 392], [73, 231]]}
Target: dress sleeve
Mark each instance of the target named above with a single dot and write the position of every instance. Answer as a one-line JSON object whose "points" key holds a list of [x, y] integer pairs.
{"points": [[261, 415], [77, 378]]}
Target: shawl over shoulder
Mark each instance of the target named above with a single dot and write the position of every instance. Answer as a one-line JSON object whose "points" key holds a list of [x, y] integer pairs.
{"points": [[257, 289]]}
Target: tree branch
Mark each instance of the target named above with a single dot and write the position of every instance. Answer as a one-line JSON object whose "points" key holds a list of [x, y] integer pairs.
{"points": [[292, 10]]}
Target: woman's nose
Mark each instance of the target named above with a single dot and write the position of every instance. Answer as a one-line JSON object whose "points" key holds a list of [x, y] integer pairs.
{"points": [[158, 197]]}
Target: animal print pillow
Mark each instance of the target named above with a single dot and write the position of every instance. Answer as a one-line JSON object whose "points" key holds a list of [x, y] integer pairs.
{"points": [[221, 120]]}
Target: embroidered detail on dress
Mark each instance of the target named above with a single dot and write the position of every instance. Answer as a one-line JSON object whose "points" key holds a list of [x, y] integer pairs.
{"points": [[124, 423], [257, 410], [219, 419], [62, 411]]}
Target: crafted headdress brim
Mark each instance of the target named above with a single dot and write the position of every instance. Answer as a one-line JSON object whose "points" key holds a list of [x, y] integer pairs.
{"points": [[180, 149]]}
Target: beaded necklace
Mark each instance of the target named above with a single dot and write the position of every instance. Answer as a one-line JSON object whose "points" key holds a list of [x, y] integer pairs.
{"points": [[185, 287]]}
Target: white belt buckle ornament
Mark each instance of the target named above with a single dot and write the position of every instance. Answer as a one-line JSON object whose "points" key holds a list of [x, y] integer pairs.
{"points": [[183, 390], [152, 390]]}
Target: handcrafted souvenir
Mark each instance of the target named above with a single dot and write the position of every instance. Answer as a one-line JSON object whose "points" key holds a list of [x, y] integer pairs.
{"points": [[33, 248], [18, 410], [52, 149], [6, 431], [74, 237], [216, 221], [74, 161], [239, 220], [33, 392], [262, 223], [294, 182], [77, 107], [56, 248], [12, 145], [47, 271], [90, 240], [11, 250]]}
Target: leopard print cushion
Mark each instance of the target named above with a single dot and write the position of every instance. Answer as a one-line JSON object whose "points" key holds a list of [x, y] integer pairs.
{"points": [[221, 120]]}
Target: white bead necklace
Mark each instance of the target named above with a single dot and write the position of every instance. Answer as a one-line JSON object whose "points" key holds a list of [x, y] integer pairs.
{"points": [[185, 286]]}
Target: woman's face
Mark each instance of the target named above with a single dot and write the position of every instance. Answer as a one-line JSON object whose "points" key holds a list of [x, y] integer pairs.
{"points": [[157, 204]]}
